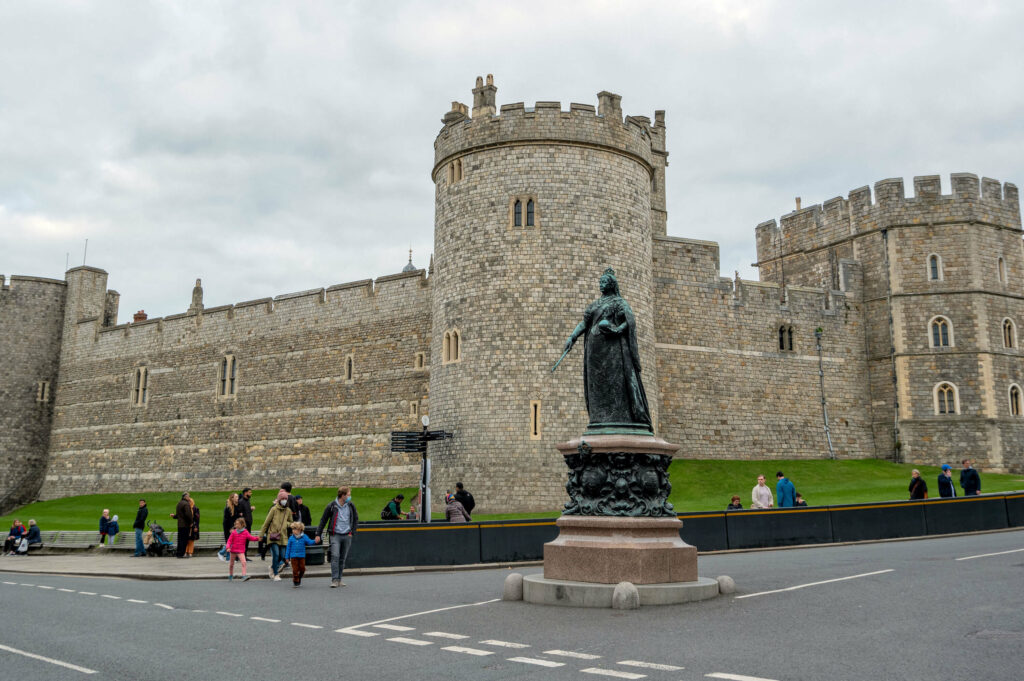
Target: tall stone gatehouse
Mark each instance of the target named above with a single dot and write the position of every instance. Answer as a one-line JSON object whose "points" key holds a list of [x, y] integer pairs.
{"points": [[917, 301]]}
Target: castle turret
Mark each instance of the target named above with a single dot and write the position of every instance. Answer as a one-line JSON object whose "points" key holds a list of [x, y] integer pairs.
{"points": [[531, 206]]}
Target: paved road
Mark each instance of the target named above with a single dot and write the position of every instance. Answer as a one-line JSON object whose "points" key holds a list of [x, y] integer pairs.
{"points": [[917, 613]]}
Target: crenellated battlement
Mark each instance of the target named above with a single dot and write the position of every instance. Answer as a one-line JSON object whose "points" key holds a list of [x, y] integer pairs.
{"points": [[986, 201], [603, 126]]}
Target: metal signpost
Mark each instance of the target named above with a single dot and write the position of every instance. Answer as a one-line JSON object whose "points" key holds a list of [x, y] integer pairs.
{"points": [[415, 442]]}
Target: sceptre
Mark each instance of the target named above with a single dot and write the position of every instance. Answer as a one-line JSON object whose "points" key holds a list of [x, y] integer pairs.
{"points": [[561, 358]]}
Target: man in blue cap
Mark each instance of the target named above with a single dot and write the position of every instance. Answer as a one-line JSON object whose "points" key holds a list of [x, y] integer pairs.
{"points": [[946, 488]]}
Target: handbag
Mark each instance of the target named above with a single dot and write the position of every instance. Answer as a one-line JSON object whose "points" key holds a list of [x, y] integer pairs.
{"points": [[274, 536]]}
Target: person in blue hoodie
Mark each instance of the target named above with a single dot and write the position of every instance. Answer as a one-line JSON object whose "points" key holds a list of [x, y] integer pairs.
{"points": [[296, 552], [113, 527], [785, 492], [946, 486]]}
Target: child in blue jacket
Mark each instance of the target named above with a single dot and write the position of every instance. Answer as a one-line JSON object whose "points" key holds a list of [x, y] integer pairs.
{"points": [[296, 552]]}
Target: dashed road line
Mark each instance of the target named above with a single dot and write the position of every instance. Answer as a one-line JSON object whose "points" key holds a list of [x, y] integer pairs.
{"points": [[41, 586], [59, 663], [24, 584], [826, 581], [538, 662], [411, 641], [230, 614], [570, 653], [394, 627], [136, 600], [651, 665], [615, 673], [356, 632], [504, 644], [87, 593], [307, 626], [164, 606], [200, 611], [113, 598], [468, 651], [444, 634], [264, 619], [986, 555], [11, 583], [67, 591], [735, 677]]}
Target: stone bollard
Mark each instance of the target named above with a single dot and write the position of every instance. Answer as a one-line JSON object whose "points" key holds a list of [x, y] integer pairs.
{"points": [[625, 597], [513, 589], [726, 585]]}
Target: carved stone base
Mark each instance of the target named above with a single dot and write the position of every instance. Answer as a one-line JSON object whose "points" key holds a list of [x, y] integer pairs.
{"points": [[609, 550]]}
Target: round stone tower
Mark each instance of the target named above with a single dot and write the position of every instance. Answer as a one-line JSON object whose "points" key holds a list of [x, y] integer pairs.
{"points": [[532, 204]]}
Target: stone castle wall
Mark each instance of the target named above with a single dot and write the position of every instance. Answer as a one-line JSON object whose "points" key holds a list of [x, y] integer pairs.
{"points": [[31, 316], [294, 416]]}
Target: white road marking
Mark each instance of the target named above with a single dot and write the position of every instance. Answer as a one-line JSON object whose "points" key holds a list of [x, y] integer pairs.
{"points": [[534, 660], [113, 598], [307, 626], [735, 677], [67, 665], [613, 672], [229, 614], [444, 634], [24, 584], [264, 619], [411, 641], [468, 651], [504, 644], [394, 627], [11, 583], [67, 591], [986, 555], [569, 653], [87, 593], [136, 600], [356, 632], [164, 606], [651, 665], [197, 610], [804, 586], [40, 586], [348, 630]]}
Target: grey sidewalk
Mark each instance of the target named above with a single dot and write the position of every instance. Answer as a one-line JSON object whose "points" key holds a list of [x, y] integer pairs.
{"points": [[200, 567]]}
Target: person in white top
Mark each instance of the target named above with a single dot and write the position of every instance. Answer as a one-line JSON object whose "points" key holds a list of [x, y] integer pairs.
{"points": [[761, 495]]}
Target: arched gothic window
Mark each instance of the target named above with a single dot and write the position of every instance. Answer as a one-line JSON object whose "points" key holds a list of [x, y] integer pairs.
{"points": [[941, 332], [350, 368], [1015, 400], [140, 387], [228, 375], [1009, 334], [786, 338], [529, 213], [1002, 271], [934, 268], [947, 400], [517, 214]]}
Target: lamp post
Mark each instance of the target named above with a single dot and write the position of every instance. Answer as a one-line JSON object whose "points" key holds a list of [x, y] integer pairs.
{"points": [[821, 381]]}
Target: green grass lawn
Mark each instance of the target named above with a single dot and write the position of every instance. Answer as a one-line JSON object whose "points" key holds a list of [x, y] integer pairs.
{"points": [[697, 485]]}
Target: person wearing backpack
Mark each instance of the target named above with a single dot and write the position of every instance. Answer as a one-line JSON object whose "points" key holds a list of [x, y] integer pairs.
{"points": [[393, 510]]}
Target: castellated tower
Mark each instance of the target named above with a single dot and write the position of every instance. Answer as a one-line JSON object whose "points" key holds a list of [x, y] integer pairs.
{"points": [[943, 308], [532, 204], [31, 319]]}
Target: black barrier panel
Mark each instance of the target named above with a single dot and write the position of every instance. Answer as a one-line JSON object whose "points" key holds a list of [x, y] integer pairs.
{"points": [[759, 529], [406, 544], [946, 516], [880, 521], [706, 531], [509, 540], [1015, 509]]}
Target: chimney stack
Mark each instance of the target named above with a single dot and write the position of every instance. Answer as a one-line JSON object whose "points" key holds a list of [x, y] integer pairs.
{"points": [[140, 316]]}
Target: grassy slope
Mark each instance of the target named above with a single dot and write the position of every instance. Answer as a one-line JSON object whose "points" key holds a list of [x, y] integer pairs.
{"points": [[699, 485]]}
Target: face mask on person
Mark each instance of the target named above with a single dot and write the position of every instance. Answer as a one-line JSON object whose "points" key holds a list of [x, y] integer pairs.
{"points": [[283, 502], [348, 498]]}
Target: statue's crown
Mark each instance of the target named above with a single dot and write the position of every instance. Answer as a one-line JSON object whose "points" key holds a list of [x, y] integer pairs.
{"points": [[610, 271]]}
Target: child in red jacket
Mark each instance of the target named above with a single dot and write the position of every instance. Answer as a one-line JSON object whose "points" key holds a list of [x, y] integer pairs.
{"points": [[237, 541]]}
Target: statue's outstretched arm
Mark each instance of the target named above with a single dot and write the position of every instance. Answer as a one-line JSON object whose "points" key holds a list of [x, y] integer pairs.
{"points": [[576, 333]]}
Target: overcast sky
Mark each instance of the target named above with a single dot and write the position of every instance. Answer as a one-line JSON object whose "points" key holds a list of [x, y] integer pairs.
{"points": [[276, 147]]}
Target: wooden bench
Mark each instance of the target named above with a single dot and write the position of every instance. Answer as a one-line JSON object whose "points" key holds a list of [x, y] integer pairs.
{"points": [[74, 539]]}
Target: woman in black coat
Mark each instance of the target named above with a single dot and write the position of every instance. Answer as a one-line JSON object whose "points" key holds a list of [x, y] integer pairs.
{"points": [[231, 512]]}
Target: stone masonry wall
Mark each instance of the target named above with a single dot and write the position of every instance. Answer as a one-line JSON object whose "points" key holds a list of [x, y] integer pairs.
{"points": [[294, 416], [31, 315]]}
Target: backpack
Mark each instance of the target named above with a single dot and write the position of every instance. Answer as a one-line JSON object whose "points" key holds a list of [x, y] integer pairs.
{"points": [[387, 513]]}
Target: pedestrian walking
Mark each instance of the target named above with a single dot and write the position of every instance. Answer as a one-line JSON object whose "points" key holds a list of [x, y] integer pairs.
{"points": [[293, 504], [193, 530], [761, 495], [275, 530], [104, 526], [454, 511], [140, 527], [946, 486], [296, 552], [785, 492], [918, 487], [341, 520], [464, 498], [245, 509], [970, 481], [305, 517], [183, 514], [237, 540]]}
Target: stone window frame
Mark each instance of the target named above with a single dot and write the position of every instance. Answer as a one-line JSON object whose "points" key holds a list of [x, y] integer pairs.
{"points": [[227, 377], [140, 389], [451, 346], [1009, 328], [1016, 399], [455, 171], [937, 321], [525, 212], [785, 333], [419, 361], [1001, 270], [349, 365], [939, 270], [946, 387], [42, 392], [535, 420], [414, 409]]}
